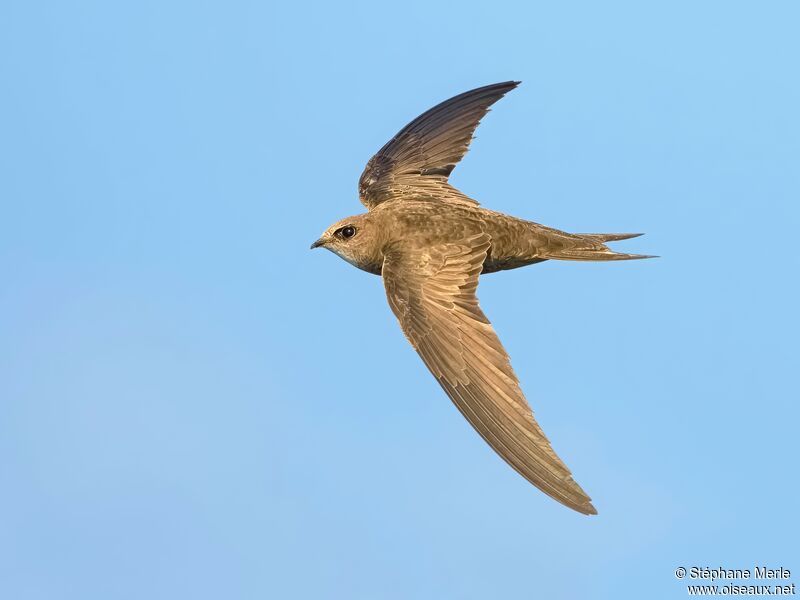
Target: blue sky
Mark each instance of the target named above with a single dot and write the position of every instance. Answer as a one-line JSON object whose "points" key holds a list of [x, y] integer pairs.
{"points": [[193, 405]]}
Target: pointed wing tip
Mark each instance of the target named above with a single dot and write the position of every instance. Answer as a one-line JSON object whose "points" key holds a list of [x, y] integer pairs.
{"points": [[505, 86], [583, 506], [497, 90], [576, 499]]}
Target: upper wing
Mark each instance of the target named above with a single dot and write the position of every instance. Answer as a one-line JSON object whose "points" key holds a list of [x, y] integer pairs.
{"points": [[421, 156], [432, 293]]}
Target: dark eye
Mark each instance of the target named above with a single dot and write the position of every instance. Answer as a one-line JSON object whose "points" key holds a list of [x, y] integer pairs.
{"points": [[347, 232]]}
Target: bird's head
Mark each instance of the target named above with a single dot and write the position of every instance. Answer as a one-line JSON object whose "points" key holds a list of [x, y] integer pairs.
{"points": [[354, 240]]}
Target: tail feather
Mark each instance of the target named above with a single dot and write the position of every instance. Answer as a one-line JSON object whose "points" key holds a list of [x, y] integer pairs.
{"points": [[609, 237], [597, 250], [595, 254]]}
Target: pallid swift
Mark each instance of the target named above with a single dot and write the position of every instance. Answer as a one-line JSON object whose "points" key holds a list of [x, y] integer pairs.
{"points": [[430, 242]]}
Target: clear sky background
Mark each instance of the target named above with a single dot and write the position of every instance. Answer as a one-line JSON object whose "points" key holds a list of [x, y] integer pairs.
{"points": [[194, 405]]}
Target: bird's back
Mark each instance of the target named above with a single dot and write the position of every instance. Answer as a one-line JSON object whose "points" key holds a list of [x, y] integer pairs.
{"points": [[514, 242]]}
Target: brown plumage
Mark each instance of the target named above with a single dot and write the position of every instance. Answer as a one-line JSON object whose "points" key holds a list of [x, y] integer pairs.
{"points": [[430, 243]]}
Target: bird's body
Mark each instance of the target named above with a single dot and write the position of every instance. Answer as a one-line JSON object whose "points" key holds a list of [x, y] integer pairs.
{"points": [[515, 242], [430, 243]]}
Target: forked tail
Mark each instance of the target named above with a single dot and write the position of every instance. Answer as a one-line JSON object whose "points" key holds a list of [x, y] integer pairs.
{"points": [[595, 249]]}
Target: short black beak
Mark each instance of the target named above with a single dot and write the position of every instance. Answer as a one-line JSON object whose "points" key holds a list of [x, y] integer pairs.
{"points": [[317, 244]]}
